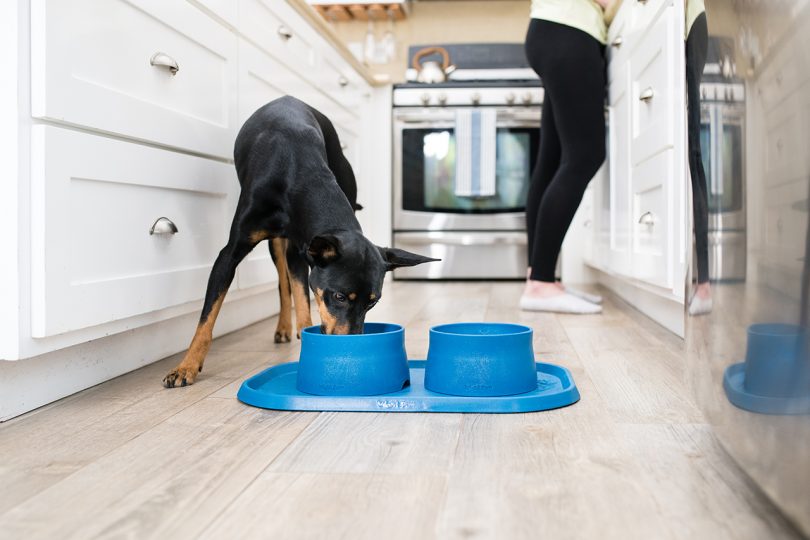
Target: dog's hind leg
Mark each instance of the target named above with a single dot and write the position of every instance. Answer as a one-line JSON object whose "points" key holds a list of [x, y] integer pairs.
{"points": [[218, 282], [299, 276], [278, 250]]}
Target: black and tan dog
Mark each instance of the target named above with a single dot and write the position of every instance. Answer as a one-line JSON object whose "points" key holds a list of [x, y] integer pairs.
{"points": [[298, 191]]}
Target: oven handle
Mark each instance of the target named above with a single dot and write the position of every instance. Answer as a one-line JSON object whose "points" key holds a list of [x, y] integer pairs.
{"points": [[461, 239]]}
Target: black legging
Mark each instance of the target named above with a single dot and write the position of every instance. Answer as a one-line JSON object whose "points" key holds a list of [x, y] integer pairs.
{"points": [[696, 45], [572, 137]]}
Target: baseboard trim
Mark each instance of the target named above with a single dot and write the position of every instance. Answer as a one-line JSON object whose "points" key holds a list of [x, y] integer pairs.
{"points": [[33, 382], [666, 310]]}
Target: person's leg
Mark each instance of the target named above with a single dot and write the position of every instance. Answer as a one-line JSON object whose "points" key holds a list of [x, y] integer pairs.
{"points": [[548, 156], [574, 78], [696, 48]]}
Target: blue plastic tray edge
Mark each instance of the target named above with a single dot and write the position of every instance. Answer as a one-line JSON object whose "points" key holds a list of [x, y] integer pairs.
{"points": [[529, 402]]}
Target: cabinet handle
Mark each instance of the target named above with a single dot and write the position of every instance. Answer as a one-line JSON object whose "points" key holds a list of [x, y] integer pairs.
{"points": [[646, 95], [284, 32], [642, 2], [617, 42], [647, 218], [343, 81], [163, 225], [163, 60]]}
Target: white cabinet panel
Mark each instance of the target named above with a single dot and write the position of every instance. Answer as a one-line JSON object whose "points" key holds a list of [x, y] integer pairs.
{"points": [[651, 220], [91, 66], [277, 31], [94, 200], [620, 172], [652, 72]]}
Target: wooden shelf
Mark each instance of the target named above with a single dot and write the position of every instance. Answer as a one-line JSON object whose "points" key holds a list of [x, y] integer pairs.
{"points": [[342, 12]]}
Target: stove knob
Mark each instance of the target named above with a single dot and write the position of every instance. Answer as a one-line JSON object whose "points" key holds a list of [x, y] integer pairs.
{"points": [[510, 98], [425, 98], [443, 98], [527, 98], [475, 98]]}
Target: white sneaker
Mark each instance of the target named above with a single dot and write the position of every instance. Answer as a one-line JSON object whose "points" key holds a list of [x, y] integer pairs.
{"points": [[559, 303], [700, 306], [592, 298]]}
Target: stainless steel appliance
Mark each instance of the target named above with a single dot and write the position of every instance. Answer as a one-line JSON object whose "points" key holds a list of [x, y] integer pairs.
{"points": [[476, 237], [722, 140]]}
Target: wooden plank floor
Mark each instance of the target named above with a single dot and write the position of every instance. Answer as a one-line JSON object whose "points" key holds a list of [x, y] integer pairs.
{"points": [[633, 459]]}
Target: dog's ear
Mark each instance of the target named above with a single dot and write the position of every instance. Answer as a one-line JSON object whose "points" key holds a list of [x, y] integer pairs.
{"points": [[323, 250], [396, 258]]}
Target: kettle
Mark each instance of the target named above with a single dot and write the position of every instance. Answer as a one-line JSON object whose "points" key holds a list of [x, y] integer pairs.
{"points": [[431, 71]]}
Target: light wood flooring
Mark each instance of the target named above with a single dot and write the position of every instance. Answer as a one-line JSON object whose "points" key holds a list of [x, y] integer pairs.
{"points": [[633, 459]]}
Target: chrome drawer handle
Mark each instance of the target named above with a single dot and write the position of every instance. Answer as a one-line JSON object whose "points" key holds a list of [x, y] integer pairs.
{"points": [[163, 225], [285, 32], [642, 2], [617, 42], [646, 95], [647, 218], [343, 81], [163, 60]]}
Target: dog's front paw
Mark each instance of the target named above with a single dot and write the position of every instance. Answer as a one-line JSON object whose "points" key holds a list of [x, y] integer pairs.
{"points": [[180, 376], [283, 333]]}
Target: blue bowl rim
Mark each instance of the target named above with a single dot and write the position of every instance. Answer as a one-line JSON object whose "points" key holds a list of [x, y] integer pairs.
{"points": [[315, 330], [442, 329], [775, 329]]}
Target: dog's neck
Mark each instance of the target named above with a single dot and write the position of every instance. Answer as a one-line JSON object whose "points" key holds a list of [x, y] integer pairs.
{"points": [[319, 206]]}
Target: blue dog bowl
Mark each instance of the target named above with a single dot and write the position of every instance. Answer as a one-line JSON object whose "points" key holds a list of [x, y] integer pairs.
{"points": [[481, 359], [366, 364], [773, 359], [775, 377]]}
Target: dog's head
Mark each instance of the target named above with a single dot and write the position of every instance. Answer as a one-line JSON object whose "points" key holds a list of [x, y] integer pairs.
{"points": [[346, 275]]}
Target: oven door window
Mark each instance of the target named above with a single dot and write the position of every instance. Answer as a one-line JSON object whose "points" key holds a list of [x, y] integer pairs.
{"points": [[726, 192], [429, 170]]}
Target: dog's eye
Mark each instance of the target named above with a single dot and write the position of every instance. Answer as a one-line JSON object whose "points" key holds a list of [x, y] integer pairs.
{"points": [[340, 297]]}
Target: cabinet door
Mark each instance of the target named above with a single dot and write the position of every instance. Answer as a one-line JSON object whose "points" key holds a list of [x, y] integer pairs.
{"points": [[653, 239], [108, 66], [652, 73], [620, 172], [93, 202]]}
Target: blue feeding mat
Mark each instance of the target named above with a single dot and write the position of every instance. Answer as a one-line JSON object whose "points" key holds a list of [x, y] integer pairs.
{"points": [[275, 388], [471, 367]]}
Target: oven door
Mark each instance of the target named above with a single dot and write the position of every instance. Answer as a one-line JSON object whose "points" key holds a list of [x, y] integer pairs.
{"points": [[424, 172], [722, 146]]}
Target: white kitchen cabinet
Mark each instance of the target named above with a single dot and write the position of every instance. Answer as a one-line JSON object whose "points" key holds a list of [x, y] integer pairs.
{"points": [[93, 64], [94, 201], [639, 211], [113, 143]]}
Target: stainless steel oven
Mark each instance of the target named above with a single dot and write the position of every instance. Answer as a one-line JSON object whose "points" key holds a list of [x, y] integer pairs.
{"points": [[475, 236], [722, 140]]}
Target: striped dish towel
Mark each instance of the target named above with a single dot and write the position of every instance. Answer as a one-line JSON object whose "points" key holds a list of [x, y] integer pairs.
{"points": [[475, 152]]}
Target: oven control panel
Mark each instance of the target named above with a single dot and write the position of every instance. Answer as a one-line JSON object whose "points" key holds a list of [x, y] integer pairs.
{"points": [[467, 97]]}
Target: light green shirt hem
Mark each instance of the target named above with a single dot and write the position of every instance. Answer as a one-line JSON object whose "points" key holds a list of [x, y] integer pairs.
{"points": [[585, 15]]}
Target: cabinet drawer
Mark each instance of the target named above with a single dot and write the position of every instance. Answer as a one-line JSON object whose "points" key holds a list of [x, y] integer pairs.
{"points": [[785, 158], [643, 13], [91, 65], [94, 200], [651, 216], [279, 32], [652, 69]]}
